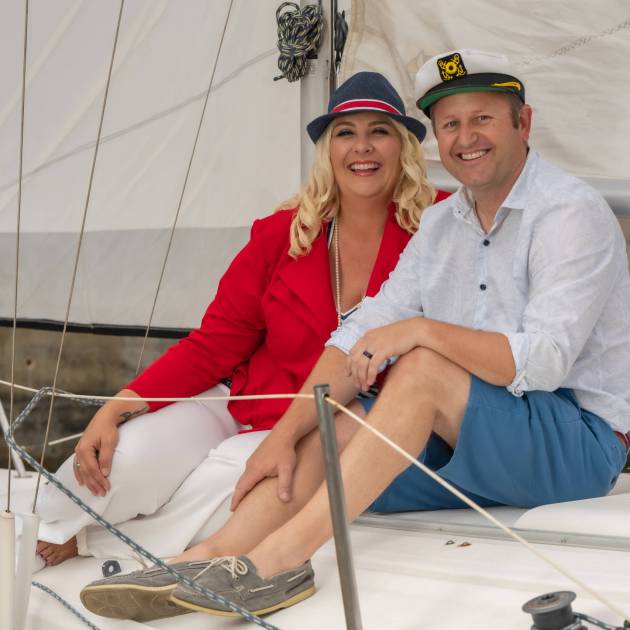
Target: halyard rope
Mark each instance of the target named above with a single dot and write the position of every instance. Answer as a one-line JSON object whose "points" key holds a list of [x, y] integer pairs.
{"points": [[181, 196], [94, 400], [299, 35], [78, 252]]}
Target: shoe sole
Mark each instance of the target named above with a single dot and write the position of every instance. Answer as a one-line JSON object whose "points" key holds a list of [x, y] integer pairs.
{"points": [[228, 613], [123, 601]]}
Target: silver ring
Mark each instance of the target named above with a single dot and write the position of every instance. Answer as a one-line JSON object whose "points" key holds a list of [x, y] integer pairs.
{"points": [[367, 354], [75, 464]]}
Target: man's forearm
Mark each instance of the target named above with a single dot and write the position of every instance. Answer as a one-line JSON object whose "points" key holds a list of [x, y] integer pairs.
{"points": [[301, 416], [485, 354]]}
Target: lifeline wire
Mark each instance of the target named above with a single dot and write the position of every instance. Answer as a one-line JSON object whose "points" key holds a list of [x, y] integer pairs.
{"points": [[181, 197], [76, 260], [65, 604], [17, 249], [477, 508]]}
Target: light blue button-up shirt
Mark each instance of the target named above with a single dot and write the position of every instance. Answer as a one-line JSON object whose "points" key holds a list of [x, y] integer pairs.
{"points": [[551, 274]]}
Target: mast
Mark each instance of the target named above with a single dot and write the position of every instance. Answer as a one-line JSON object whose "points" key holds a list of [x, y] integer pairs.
{"points": [[317, 85]]}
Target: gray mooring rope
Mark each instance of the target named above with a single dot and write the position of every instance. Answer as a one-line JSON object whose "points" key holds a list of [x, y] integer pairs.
{"points": [[65, 604], [215, 597], [299, 37]]}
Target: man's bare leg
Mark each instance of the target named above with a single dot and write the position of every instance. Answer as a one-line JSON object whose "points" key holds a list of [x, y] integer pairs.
{"points": [[424, 392], [261, 512]]}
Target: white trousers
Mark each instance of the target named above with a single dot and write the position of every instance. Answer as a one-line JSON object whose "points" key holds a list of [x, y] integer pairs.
{"points": [[173, 474]]}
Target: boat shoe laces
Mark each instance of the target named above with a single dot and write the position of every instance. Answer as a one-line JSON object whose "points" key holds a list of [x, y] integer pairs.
{"points": [[236, 579]]}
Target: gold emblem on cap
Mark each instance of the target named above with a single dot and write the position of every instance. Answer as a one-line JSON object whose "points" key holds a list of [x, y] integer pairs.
{"points": [[451, 67]]}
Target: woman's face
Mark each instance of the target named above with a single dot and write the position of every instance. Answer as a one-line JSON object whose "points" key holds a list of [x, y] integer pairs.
{"points": [[365, 156]]}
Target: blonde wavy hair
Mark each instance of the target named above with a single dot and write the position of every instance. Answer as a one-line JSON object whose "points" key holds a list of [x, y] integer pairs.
{"points": [[318, 201]]}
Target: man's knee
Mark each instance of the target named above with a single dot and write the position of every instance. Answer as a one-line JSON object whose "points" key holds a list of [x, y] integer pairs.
{"points": [[429, 376], [421, 368]]}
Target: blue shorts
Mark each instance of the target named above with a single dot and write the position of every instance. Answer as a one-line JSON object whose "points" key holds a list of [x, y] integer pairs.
{"points": [[528, 451]]}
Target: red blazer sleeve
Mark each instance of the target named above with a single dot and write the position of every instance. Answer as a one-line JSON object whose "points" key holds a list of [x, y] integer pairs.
{"points": [[230, 331]]}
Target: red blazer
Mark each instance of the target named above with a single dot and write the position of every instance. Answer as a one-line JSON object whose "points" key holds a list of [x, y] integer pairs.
{"points": [[267, 325]]}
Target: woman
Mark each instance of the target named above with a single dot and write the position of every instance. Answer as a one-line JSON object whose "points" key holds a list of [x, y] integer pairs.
{"points": [[304, 270]]}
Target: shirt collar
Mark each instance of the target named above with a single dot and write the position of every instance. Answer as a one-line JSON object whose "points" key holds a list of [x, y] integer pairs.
{"points": [[463, 206]]}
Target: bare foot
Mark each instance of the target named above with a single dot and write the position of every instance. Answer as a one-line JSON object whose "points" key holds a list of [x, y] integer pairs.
{"points": [[55, 554]]}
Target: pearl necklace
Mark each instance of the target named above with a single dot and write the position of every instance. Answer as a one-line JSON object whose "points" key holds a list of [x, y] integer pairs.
{"points": [[337, 271]]}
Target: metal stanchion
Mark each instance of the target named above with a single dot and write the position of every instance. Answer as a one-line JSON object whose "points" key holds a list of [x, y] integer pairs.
{"points": [[338, 510]]}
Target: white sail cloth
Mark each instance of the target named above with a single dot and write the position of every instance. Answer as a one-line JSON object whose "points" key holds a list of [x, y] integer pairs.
{"points": [[247, 158], [572, 57]]}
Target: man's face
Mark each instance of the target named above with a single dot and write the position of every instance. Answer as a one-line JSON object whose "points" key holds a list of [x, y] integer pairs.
{"points": [[478, 142]]}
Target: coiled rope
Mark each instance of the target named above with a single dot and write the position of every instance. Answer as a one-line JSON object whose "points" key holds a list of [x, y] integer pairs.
{"points": [[299, 38]]}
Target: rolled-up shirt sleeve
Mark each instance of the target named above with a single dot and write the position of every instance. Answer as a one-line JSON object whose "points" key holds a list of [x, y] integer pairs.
{"points": [[399, 298], [573, 265]]}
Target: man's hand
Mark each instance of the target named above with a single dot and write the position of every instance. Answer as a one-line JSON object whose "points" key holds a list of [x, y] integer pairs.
{"points": [[275, 457], [380, 345]]}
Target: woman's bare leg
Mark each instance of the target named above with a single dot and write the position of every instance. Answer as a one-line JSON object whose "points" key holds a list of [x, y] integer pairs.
{"points": [[261, 512]]}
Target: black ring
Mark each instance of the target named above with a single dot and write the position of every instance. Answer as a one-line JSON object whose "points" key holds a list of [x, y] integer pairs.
{"points": [[367, 354]]}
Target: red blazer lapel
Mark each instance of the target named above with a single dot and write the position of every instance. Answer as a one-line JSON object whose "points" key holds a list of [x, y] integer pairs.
{"points": [[308, 279]]}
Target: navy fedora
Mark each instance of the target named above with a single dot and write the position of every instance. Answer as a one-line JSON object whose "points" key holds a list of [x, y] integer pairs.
{"points": [[365, 92]]}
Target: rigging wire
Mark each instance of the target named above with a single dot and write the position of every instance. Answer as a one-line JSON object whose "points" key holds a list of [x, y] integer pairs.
{"points": [[181, 197], [78, 253], [17, 252]]}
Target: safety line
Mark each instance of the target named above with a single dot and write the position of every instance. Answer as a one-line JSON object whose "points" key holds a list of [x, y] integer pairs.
{"points": [[181, 197], [17, 248], [78, 253], [453, 490], [65, 604]]}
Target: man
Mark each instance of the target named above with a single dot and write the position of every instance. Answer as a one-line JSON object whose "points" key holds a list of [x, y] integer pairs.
{"points": [[507, 323]]}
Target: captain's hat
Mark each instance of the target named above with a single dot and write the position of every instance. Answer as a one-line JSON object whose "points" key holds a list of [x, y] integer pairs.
{"points": [[465, 70]]}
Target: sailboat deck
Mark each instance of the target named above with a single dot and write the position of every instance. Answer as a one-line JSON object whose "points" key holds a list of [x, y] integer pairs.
{"points": [[433, 570]]}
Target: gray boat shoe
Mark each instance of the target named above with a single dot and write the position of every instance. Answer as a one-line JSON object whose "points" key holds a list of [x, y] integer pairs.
{"points": [[141, 595], [236, 580]]}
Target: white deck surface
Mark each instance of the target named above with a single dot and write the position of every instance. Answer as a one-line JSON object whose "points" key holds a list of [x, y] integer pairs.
{"points": [[409, 577]]}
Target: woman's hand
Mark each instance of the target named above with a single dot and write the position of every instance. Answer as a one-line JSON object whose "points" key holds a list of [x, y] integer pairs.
{"points": [[275, 457], [380, 345], [94, 452]]}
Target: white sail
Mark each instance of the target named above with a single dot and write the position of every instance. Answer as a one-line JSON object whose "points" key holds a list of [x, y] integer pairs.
{"points": [[247, 158], [571, 55]]}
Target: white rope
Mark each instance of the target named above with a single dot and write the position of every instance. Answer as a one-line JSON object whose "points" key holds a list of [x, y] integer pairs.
{"points": [[479, 509], [72, 396]]}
